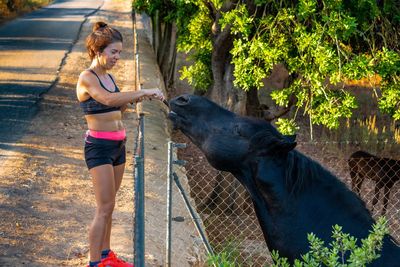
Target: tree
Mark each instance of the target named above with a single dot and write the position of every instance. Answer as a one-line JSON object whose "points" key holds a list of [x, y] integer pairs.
{"points": [[165, 17], [234, 45]]}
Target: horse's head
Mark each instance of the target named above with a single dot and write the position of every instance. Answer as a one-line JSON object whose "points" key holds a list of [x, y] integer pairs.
{"points": [[226, 139], [292, 194]]}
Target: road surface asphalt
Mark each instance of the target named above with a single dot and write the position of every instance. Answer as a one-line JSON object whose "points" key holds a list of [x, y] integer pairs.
{"points": [[32, 50]]}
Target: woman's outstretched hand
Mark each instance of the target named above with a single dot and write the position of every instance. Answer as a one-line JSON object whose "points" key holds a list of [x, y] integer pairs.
{"points": [[152, 93]]}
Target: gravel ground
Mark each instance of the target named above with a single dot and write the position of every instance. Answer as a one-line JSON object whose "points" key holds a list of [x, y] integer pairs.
{"points": [[46, 198]]}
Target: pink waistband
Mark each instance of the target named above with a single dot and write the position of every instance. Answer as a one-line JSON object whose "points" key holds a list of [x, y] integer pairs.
{"points": [[117, 135]]}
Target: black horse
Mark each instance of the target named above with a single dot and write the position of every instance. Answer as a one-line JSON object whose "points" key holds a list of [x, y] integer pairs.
{"points": [[292, 195], [384, 172]]}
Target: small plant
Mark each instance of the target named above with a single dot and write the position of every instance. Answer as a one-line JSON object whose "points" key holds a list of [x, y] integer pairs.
{"points": [[8, 8], [343, 251], [227, 257]]}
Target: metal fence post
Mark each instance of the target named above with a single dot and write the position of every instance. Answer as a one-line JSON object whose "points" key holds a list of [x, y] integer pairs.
{"points": [[139, 245], [172, 176], [169, 205], [193, 214], [139, 213], [139, 226]]}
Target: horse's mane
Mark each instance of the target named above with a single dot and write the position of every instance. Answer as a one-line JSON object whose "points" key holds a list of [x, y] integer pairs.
{"points": [[302, 171]]}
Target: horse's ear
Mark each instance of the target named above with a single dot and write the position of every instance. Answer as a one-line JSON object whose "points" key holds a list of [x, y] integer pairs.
{"points": [[286, 146], [266, 143], [290, 138]]}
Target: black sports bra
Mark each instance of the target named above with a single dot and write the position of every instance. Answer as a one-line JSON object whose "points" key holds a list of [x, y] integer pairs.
{"points": [[91, 106]]}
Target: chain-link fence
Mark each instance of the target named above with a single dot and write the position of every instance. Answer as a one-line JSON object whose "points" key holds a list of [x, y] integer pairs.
{"points": [[227, 212]]}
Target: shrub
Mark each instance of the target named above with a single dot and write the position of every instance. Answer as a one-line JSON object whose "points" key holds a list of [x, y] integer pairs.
{"points": [[9, 8], [343, 251]]}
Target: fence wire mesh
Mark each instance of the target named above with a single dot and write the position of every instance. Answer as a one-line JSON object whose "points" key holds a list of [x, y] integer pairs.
{"points": [[227, 212]]}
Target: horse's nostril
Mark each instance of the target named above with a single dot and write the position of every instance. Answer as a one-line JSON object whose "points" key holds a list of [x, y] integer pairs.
{"points": [[183, 99]]}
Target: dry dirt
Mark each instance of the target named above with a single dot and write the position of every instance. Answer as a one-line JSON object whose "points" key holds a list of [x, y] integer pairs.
{"points": [[46, 192], [46, 198]]}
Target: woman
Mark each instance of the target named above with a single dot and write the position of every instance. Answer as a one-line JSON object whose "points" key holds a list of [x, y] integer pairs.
{"points": [[103, 104]]}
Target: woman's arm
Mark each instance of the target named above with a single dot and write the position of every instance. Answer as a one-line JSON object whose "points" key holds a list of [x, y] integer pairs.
{"points": [[92, 87]]}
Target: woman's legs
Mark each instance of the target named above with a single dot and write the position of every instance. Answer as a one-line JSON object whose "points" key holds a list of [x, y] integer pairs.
{"points": [[104, 190], [118, 174]]}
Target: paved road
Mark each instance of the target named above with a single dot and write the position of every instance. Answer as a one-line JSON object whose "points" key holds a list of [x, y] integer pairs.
{"points": [[32, 49]]}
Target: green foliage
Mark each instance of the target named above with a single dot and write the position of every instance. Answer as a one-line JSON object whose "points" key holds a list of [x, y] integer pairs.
{"points": [[313, 42], [177, 11], [343, 251], [239, 20], [11, 7], [227, 257], [196, 42], [198, 75], [193, 31], [389, 102], [287, 126], [323, 45], [329, 106]]}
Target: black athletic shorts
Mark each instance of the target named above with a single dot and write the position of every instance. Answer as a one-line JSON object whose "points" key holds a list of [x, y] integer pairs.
{"points": [[102, 151]]}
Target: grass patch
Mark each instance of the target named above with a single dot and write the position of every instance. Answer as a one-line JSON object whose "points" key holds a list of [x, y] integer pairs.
{"points": [[10, 9]]}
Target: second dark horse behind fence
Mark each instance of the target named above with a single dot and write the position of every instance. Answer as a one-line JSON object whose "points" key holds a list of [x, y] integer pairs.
{"points": [[292, 195], [384, 172]]}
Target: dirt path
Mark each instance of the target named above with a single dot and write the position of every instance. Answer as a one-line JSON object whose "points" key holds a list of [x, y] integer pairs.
{"points": [[46, 199]]}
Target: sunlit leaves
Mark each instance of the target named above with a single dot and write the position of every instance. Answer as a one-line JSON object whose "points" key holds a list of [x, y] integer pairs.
{"points": [[308, 44], [360, 66], [198, 75], [388, 63], [196, 41], [306, 8], [281, 97], [239, 20], [390, 100], [198, 34], [287, 126], [330, 105], [217, 3], [333, 254], [323, 43], [250, 73], [340, 25]]}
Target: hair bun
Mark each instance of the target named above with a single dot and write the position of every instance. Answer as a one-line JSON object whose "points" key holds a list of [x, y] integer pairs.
{"points": [[99, 25]]}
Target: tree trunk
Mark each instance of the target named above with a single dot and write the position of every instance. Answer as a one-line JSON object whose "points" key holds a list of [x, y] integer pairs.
{"points": [[279, 79], [171, 75], [156, 32], [252, 103], [11, 5], [163, 49], [166, 53], [166, 43], [219, 59], [169, 57]]}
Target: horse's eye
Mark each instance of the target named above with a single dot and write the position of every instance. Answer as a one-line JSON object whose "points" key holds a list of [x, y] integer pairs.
{"points": [[236, 130]]}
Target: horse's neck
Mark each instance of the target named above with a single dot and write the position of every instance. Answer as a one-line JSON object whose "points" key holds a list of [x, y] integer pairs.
{"points": [[263, 209], [265, 180], [270, 177]]}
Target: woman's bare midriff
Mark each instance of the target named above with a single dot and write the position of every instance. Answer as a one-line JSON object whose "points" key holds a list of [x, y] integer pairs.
{"points": [[108, 122]]}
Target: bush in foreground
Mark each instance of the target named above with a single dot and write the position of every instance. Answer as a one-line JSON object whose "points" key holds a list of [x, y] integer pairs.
{"points": [[343, 251]]}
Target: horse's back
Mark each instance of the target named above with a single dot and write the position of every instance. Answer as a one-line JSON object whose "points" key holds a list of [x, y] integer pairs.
{"points": [[390, 254], [361, 154]]}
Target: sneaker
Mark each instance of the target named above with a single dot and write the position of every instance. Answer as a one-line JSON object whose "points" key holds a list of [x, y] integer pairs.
{"points": [[113, 261], [100, 265]]}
